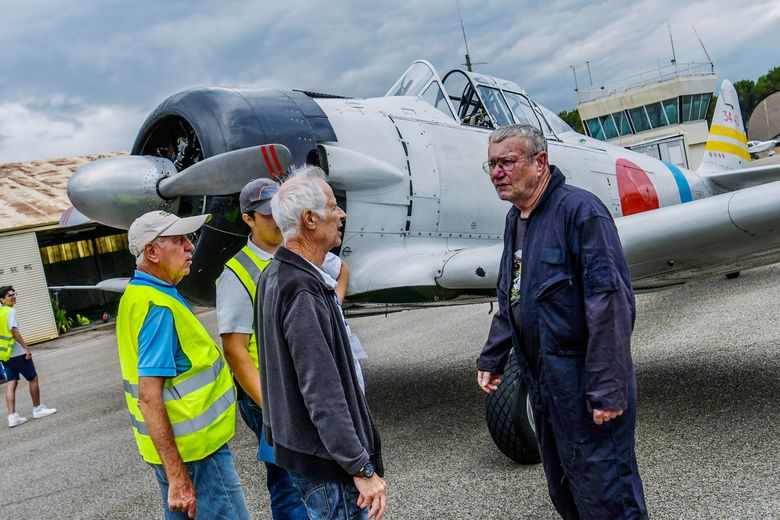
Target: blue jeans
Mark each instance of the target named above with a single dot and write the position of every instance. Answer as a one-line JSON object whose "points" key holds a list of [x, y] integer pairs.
{"points": [[217, 489], [329, 500], [286, 503]]}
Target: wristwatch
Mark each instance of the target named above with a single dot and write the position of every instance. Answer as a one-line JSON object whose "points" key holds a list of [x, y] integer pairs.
{"points": [[366, 471]]}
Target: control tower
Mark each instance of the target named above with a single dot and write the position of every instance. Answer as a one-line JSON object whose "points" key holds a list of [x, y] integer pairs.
{"points": [[661, 112]]}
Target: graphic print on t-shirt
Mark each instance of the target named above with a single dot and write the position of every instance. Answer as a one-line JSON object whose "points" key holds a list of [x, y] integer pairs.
{"points": [[517, 266]]}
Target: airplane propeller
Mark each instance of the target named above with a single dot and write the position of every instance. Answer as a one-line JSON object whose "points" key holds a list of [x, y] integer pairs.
{"points": [[228, 171], [116, 190]]}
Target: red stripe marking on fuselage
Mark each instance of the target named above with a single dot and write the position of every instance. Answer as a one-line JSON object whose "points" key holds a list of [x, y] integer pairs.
{"points": [[268, 162], [636, 190], [276, 160]]}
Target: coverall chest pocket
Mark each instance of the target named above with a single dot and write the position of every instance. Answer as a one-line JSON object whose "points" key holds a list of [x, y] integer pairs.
{"points": [[559, 301]]}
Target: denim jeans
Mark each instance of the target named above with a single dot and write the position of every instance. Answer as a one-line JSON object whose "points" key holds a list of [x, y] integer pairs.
{"points": [[286, 503], [217, 489], [329, 500]]}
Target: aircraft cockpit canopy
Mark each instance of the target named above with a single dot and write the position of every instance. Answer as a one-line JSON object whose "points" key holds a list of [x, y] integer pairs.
{"points": [[476, 99]]}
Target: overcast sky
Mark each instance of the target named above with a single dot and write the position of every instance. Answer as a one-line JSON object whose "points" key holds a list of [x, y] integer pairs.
{"points": [[80, 77]]}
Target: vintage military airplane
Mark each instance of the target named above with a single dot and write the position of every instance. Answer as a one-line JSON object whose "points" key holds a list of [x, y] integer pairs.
{"points": [[423, 221]]}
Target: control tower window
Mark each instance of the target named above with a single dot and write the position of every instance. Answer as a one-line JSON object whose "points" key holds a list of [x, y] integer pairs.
{"points": [[656, 114], [639, 119], [621, 121], [608, 124], [594, 129], [670, 107]]}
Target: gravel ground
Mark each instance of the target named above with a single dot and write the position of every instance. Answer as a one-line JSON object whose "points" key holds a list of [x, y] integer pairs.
{"points": [[708, 364]]}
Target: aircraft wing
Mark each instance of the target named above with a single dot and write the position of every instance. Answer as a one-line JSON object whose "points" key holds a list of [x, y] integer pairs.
{"points": [[110, 285], [669, 246], [717, 235], [732, 180]]}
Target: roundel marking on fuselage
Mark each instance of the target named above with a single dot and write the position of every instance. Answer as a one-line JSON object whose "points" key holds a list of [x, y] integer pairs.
{"points": [[636, 190]]}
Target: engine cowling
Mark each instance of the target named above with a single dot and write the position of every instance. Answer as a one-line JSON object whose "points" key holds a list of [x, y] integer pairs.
{"points": [[200, 123]]}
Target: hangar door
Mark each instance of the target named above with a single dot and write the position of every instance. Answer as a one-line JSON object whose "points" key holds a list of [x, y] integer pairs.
{"points": [[20, 266]]}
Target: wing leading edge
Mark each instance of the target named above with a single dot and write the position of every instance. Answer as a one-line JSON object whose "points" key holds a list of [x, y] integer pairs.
{"points": [[717, 235]]}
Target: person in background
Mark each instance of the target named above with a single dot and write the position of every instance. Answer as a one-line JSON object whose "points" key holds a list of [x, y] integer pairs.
{"points": [[18, 361]]}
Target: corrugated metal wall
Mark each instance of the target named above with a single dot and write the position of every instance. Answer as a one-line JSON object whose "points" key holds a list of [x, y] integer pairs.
{"points": [[20, 266]]}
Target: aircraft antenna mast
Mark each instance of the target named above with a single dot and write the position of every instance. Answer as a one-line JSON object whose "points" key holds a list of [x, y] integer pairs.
{"points": [[712, 65], [468, 63], [674, 56]]}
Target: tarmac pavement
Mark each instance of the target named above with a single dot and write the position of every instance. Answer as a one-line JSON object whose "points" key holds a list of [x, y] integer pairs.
{"points": [[708, 440]]}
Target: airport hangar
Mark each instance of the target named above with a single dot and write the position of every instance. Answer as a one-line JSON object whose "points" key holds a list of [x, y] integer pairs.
{"points": [[36, 252]]}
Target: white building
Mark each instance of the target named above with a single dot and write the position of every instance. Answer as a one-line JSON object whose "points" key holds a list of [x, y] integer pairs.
{"points": [[661, 113]]}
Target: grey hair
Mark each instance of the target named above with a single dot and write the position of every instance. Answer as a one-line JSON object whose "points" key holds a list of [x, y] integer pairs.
{"points": [[297, 194], [140, 258], [532, 137]]}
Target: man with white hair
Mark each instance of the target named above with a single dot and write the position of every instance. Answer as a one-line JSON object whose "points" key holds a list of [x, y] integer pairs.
{"points": [[178, 388], [315, 415]]}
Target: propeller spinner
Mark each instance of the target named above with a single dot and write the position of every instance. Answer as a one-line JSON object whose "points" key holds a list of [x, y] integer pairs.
{"points": [[116, 190]]}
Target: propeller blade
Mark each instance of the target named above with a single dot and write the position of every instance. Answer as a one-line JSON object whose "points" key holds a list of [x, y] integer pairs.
{"points": [[228, 172]]}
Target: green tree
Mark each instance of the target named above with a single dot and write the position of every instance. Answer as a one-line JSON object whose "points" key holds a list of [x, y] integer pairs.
{"points": [[711, 109], [746, 92], [572, 118], [767, 84]]}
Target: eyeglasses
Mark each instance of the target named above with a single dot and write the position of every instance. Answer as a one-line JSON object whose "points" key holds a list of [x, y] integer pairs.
{"points": [[10, 295], [506, 165]]}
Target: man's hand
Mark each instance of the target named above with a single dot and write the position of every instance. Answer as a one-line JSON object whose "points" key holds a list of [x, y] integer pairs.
{"points": [[488, 381], [27, 353], [181, 495], [602, 416], [373, 493]]}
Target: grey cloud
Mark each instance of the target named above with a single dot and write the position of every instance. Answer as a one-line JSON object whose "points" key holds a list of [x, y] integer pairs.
{"points": [[131, 56]]}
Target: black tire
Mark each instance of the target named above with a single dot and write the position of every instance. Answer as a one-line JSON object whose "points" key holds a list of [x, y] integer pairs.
{"points": [[508, 417], [732, 276]]}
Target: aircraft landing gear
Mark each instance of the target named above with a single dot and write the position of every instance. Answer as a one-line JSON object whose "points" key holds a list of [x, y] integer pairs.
{"points": [[510, 419]]}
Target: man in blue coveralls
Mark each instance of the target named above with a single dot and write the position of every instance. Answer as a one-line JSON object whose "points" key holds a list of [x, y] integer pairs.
{"points": [[567, 307]]}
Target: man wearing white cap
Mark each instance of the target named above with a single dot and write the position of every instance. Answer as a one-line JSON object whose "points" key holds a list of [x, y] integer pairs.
{"points": [[177, 385]]}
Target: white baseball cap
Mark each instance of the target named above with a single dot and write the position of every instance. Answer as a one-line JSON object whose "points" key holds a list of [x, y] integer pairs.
{"points": [[155, 224]]}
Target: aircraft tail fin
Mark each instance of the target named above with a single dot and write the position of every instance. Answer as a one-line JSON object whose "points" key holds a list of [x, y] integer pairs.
{"points": [[726, 147]]}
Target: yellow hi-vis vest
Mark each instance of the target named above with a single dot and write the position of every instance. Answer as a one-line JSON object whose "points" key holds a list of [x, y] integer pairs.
{"points": [[6, 336], [247, 267], [201, 402]]}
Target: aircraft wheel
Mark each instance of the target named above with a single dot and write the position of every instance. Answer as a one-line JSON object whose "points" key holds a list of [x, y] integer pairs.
{"points": [[732, 276], [510, 418]]}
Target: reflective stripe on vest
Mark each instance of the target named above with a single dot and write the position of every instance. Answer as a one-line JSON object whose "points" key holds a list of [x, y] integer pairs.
{"points": [[195, 424], [6, 338], [200, 402], [185, 387], [247, 267]]}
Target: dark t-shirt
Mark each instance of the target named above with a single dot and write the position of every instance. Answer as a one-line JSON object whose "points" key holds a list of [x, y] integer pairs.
{"points": [[517, 266], [514, 294]]}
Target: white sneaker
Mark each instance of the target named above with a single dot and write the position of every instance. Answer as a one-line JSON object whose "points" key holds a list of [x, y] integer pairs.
{"points": [[15, 419], [42, 411]]}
